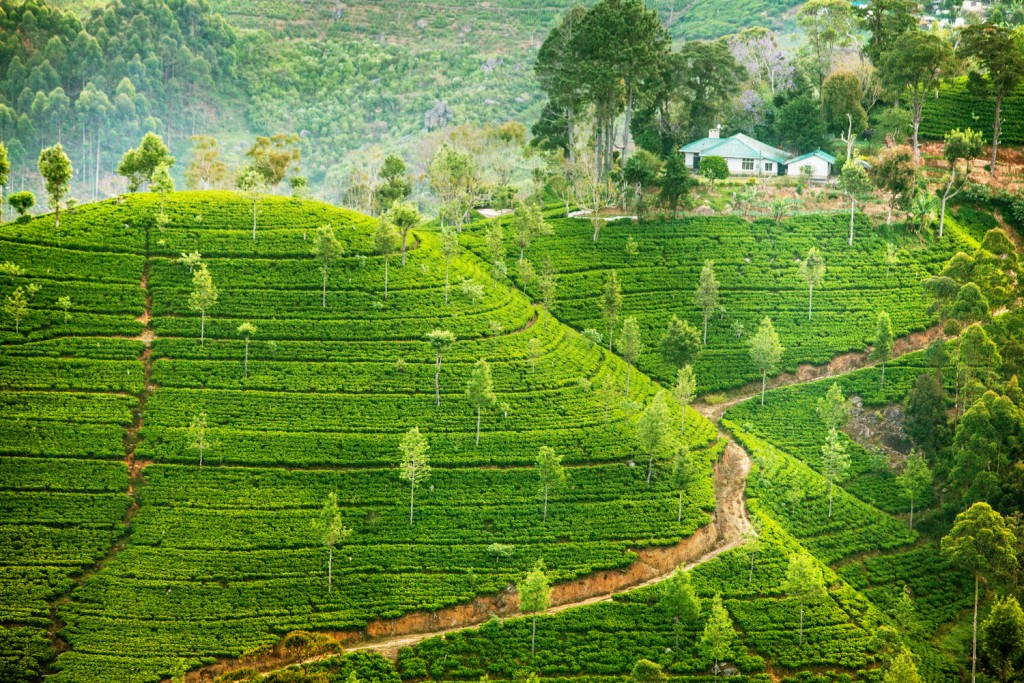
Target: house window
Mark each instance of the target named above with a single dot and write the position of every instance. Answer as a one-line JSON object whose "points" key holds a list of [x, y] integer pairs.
{"points": [[769, 167], [748, 164]]}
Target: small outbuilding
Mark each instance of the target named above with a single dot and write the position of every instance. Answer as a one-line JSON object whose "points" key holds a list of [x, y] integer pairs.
{"points": [[820, 164]]}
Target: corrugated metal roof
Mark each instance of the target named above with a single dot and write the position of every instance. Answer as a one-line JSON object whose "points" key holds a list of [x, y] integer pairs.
{"points": [[699, 146], [737, 146], [816, 153]]}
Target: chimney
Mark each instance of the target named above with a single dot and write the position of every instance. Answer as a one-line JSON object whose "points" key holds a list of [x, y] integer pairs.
{"points": [[715, 132]]}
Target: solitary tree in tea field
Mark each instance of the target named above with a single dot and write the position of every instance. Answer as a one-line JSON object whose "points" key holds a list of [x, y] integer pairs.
{"points": [[385, 240], [685, 390], [680, 344], [415, 465], [332, 531], [440, 341], [832, 408], [652, 428], [550, 471], [915, 480], [883, 341], [682, 476], [450, 252], [204, 297], [327, 250], [706, 296], [404, 217], [246, 329], [534, 596], [480, 391], [719, 633], [804, 582], [766, 351], [629, 346], [855, 183], [812, 269], [196, 436], [680, 601], [253, 185], [835, 462], [55, 167], [611, 303]]}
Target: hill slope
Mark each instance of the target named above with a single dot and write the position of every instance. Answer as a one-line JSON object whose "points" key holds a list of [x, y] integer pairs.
{"points": [[188, 564]]}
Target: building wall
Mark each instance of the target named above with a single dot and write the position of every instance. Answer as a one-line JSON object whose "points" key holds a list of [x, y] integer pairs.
{"points": [[820, 166], [736, 167]]}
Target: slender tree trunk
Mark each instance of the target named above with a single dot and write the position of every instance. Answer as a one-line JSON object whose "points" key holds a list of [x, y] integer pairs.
{"points": [[545, 502], [750, 577], [764, 380], [404, 234], [478, 425], [853, 207], [386, 259], [883, 372], [437, 381], [323, 295], [916, 111], [996, 126], [246, 362], [942, 211], [629, 368], [202, 328], [96, 182], [533, 638], [705, 328], [611, 329], [626, 127], [650, 466], [974, 632], [570, 115], [682, 422], [679, 520], [810, 302], [330, 562], [447, 267], [412, 496], [830, 498], [200, 457]]}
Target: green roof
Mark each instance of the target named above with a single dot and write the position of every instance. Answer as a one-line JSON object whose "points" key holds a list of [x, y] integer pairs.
{"points": [[738, 146], [816, 153]]}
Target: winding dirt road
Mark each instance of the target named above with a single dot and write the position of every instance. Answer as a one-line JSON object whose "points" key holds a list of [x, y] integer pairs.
{"points": [[727, 530]]}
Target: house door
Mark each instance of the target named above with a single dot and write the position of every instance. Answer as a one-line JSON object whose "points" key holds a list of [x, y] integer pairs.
{"points": [[696, 162]]}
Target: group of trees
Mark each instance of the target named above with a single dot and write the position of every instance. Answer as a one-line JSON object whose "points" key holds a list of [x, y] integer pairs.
{"points": [[93, 84], [620, 116]]}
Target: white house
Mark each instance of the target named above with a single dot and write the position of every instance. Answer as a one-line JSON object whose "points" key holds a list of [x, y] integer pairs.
{"points": [[743, 154], [746, 156], [819, 162]]}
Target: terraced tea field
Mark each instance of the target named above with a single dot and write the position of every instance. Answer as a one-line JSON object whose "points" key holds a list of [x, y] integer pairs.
{"points": [[152, 565], [757, 264]]}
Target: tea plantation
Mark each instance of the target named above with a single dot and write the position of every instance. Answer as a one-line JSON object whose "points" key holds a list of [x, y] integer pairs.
{"points": [[758, 266], [147, 565]]}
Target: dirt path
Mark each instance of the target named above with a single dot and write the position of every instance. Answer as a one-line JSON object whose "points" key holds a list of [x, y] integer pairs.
{"points": [[728, 525], [838, 366]]}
